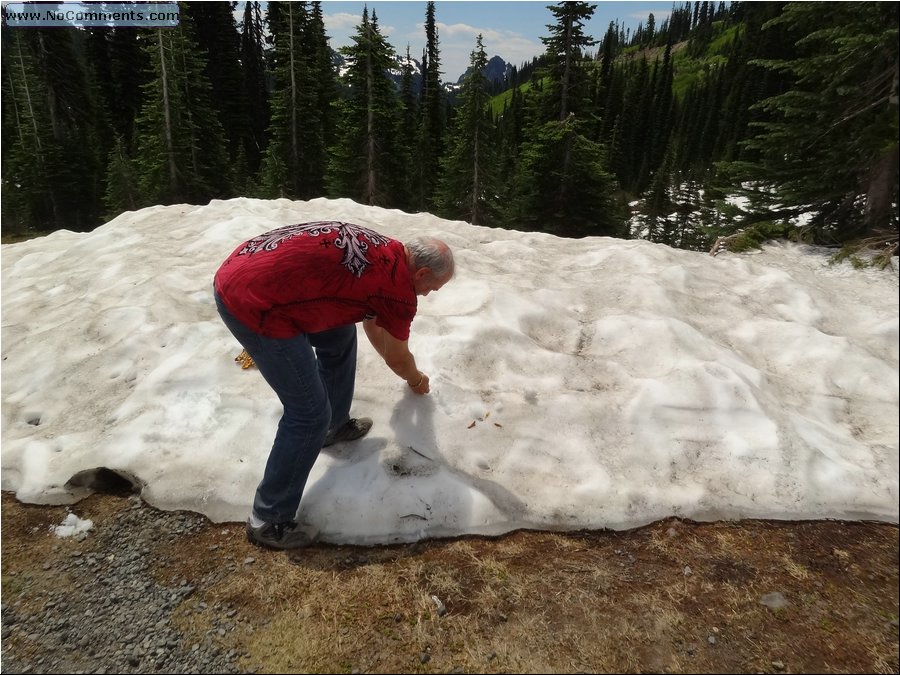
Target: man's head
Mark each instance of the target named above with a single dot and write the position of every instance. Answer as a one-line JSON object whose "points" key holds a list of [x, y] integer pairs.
{"points": [[431, 261]]}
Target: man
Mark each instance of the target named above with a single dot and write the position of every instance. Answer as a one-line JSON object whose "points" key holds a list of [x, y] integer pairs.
{"points": [[292, 298]]}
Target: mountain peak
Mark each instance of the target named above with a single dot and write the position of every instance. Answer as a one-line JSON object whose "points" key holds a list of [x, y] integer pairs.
{"points": [[496, 70]]}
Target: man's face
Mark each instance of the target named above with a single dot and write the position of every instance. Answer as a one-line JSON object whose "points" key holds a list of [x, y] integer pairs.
{"points": [[425, 282]]}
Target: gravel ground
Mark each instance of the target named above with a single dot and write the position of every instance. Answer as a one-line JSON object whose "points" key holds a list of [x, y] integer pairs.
{"points": [[120, 619]]}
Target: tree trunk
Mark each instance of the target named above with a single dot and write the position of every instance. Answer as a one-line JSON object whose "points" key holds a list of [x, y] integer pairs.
{"points": [[370, 127], [475, 182], [37, 138], [195, 160], [882, 179], [170, 145], [51, 94], [880, 190], [15, 104], [295, 149], [39, 150], [564, 93]]}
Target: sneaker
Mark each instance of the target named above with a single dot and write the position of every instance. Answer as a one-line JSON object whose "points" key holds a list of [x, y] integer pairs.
{"points": [[282, 535], [354, 429]]}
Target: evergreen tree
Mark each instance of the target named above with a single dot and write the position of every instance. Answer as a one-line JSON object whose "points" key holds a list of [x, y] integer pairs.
{"points": [[365, 165], [610, 106], [510, 127], [561, 185], [255, 91], [658, 203], [119, 69], [122, 182], [663, 114], [296, 159], [606, 55], [325, 87], [289, 100], [30, 197], [53, 132], [181, 147], [830, 144], [716, 107], [469, 180], [432, 117], [409, 116], [217, 37], [630, 139], [564, 51]]}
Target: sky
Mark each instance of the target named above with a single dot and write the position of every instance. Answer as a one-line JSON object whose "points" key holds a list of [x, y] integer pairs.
{"points": [[592, 383], [511, 29]]}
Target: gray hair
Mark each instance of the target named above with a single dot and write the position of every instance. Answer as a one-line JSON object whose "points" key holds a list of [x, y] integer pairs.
{"points": [[433, 254]]}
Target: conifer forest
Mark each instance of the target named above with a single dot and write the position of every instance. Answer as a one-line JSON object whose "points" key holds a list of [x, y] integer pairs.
{"points": [[653, 132]]}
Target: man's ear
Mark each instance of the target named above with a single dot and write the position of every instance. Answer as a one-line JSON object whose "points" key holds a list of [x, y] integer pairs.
{"points": [[422, 273]]}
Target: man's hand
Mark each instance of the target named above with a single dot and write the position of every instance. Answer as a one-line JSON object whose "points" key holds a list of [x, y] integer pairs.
{"points": [[421, 385]]}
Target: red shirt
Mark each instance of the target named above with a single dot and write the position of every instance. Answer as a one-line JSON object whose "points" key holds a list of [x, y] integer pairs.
{"points": [[312, 277]]}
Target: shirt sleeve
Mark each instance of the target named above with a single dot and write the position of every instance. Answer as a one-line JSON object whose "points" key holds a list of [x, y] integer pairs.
{"points": [[394, 316]]}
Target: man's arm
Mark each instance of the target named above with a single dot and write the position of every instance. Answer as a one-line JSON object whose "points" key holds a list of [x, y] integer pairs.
{"points": [[397, 356]]}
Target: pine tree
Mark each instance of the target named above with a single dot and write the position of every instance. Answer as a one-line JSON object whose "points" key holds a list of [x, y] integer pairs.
{"points": [[606, 56], [469, 182], [117, 68], [561, 184], [830, 145], [658, 203], [718, 105], [663, 113], [365, 165], [30, 199], [628, 148], [509, 128], [564, 51], [122, 184], [52, 151], [611, 105], [406, 149], [181, 147], [296, 159], [325, 89], [432, 116], [255, 91], [217, 37]]}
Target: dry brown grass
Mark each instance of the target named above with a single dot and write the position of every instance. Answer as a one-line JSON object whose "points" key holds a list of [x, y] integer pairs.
{"points": [[529, 602]]}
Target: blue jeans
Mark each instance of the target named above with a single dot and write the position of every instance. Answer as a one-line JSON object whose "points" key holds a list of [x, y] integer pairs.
{"points": [[313, 375]]}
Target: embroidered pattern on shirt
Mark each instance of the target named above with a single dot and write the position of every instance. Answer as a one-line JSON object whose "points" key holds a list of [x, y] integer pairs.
{"points": [[354, 240]]}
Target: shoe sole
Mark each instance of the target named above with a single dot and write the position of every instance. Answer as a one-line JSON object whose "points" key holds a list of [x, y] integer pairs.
{"points": [[275, 547]]}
